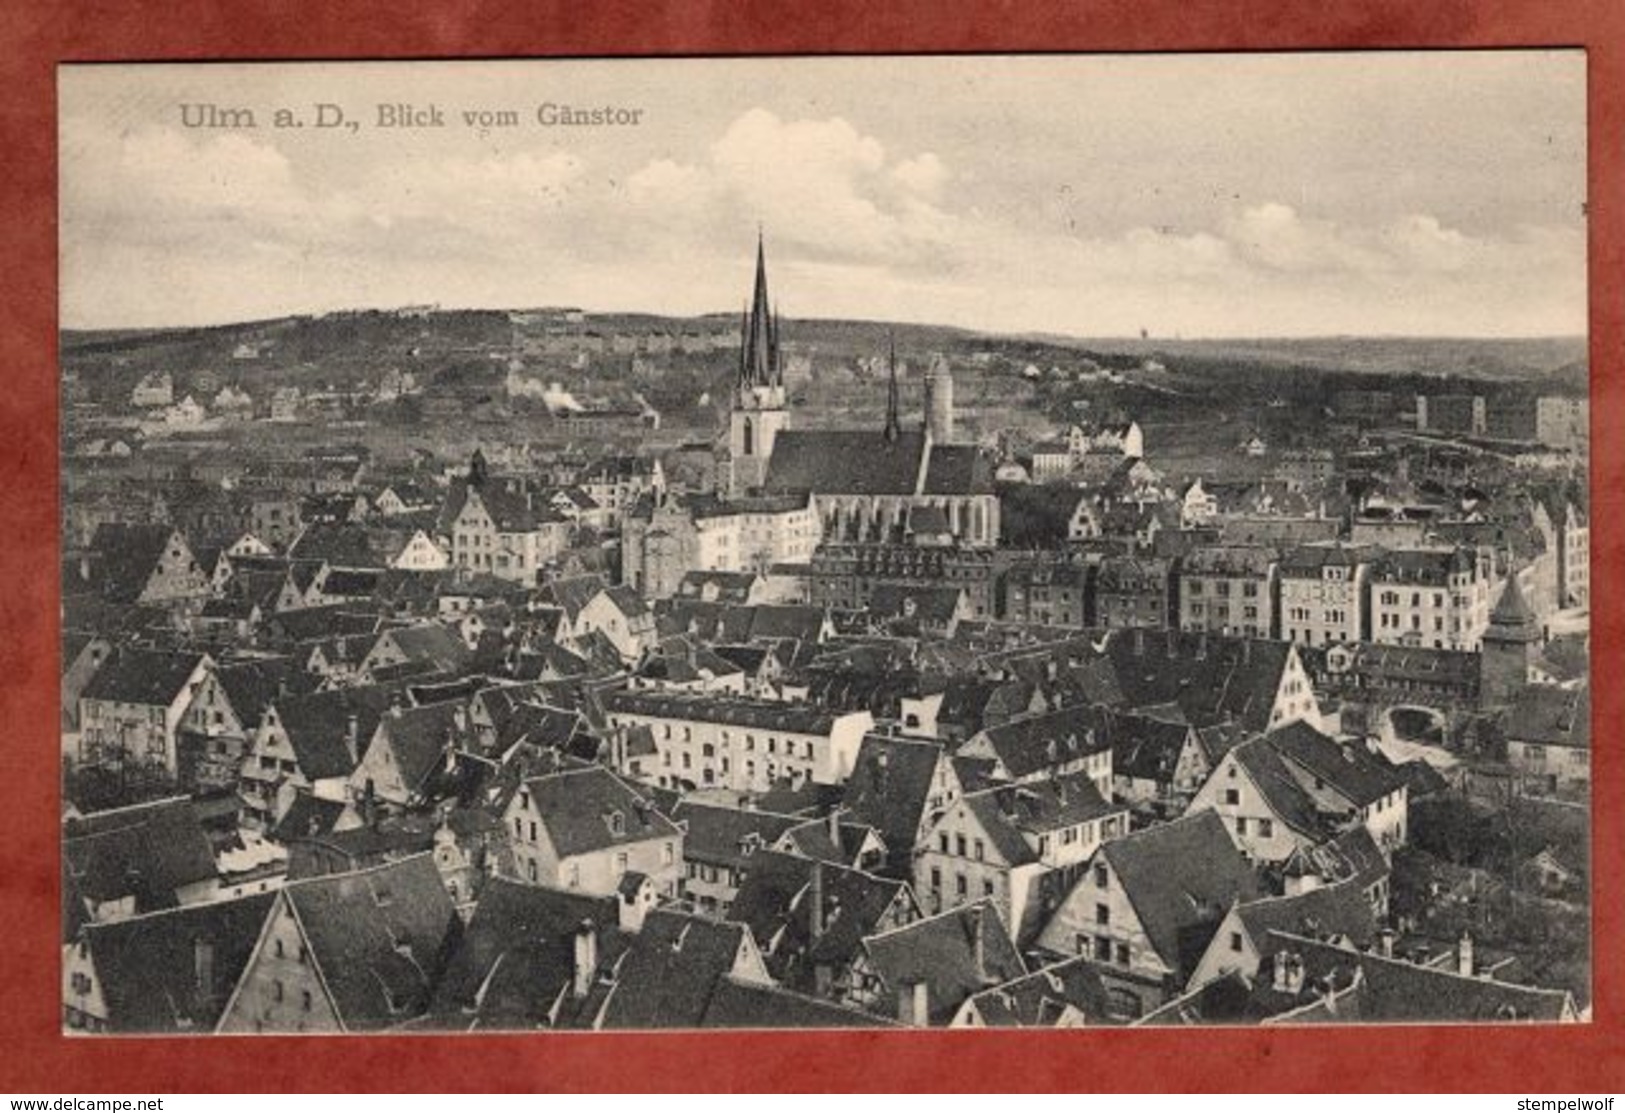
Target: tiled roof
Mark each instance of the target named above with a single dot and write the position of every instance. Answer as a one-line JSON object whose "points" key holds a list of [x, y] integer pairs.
{"points": [[1030, 744], [1038, 999], [667, 977], [719, 835], [1285, 796], [1551, 717], [143, 676], [149, 851], [517, 955], [380, 938], [737, 1003], [943, 952], [1400, 992], [126, 554], [576, 808], [1350, 768], [775, 902], [888, 789], [148, 967], [710, 707], [847, 461], [1181, 878]]}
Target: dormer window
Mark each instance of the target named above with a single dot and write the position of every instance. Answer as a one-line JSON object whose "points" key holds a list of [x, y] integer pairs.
{"points": [[617, 824]]}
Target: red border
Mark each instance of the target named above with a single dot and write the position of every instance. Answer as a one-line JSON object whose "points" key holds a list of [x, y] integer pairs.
{"points": [[36, 34]]}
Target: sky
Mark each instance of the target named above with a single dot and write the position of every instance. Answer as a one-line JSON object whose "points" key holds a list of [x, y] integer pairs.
{"points": [[1426, 194]]}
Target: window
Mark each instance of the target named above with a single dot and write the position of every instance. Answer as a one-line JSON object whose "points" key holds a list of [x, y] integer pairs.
{"points": [[1232, 796], [978, 850], [942, 841], [1122, 954], [1100, 876], [959, 845], [936, 879], [1235, 941], [1241, 825], [1103, 914], [1266, 828], [304, 999], [987, 887], [961, 888], [1103, 949]]}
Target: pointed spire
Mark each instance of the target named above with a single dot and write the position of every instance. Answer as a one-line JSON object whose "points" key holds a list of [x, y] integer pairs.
{"points": [[1513, 619], [893, 428], [760, 341]]}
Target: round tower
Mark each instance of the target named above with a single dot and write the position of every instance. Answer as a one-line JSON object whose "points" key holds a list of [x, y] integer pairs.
{"points": [[939, 401]]}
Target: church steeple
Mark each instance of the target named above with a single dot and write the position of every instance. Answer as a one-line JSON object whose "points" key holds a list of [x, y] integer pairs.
{"points": [[759, 365], [894, 427], [758, 412]]}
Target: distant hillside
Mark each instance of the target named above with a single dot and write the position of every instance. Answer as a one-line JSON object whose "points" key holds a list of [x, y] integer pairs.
{"points": [[1558, 361]]}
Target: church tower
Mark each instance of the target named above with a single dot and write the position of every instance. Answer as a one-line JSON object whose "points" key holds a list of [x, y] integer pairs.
{"points": [[894, 427], [1508, 647], [939, 401], [759, 412]]}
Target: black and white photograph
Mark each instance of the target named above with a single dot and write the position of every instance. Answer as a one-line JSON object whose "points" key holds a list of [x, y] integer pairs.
{"points": [[1002, 541]]}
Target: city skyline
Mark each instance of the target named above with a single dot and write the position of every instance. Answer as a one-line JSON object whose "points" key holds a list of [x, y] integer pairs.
{"points": [[1298, 196]]}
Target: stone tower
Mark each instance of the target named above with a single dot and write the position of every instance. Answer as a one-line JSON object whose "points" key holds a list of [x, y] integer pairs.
{"points": [[1509, 646], [939, 401], [759, 411]]}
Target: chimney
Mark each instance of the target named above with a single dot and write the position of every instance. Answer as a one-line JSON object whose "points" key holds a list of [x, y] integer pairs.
{"points": [[1288, 972], [815, 901], [1385, 941], [914, 1004], [1464, 955], [203, 967], [1139, 641], [978, 946], [586, 959], [834, 821], [352, 731]]}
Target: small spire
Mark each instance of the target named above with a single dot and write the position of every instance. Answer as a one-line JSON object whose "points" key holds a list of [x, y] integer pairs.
{"points": [[893, 428]]}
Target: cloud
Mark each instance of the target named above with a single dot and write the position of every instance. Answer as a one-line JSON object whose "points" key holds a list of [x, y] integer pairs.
{"points": [[161, 226]]}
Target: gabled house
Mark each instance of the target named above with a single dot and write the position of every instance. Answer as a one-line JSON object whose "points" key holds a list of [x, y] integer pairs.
{"points": [[922, 973], [142, 563], [675, 964], [1548, 741], [1017, 847], [1066, 994], [1031, 748], [168, 972], [411, 746], [1341, 913], [899, 786], [1295, 786], [811, 918], [531, 957], [130, 712], [224, 714], [1148, 906], [134, 860], [719, 844], [588, 830], [347, 952], [308, 743]]}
